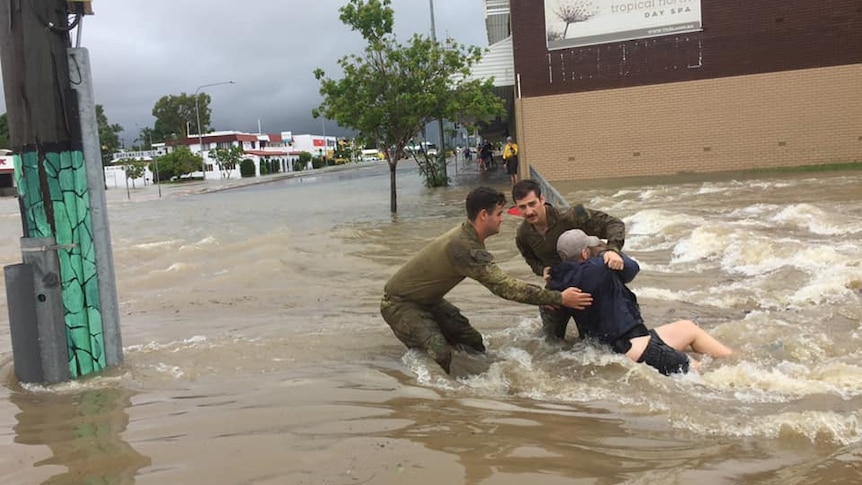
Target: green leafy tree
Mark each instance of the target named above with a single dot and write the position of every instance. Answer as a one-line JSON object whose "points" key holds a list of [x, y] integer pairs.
{"points": [[134, 169], [302, 162], [176, 114], [392, 90], [4, 132], [227, 159], [145, 138], [178, 163], [109, 138]]}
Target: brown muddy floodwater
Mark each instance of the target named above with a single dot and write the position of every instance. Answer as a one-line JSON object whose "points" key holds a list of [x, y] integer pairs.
{"points": [[255, 353]]}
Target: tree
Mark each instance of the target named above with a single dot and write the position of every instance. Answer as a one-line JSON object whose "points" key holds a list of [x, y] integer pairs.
{"points": [[145, 138], [135, 169], [109, 138], [178, 163], [4, 132], [391, 91], [302, 162], [177, 114], [227, 159]]}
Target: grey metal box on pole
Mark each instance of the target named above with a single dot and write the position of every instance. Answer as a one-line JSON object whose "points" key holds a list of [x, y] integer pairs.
{"points": [[37, 325]]}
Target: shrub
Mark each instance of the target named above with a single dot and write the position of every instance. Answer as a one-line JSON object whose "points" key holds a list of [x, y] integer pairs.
{"points": [[246, 168]]}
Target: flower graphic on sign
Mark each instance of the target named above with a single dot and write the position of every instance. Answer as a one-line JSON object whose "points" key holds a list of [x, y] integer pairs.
{"points": [[574, 12]]}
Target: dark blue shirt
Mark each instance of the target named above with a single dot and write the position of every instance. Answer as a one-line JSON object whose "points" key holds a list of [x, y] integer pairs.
{"points": [[615, 311]]}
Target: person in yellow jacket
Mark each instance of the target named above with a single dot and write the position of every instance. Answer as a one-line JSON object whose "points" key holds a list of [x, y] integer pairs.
{"points": [[510, 158]]}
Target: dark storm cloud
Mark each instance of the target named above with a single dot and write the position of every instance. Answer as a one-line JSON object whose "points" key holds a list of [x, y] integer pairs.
{"points": [[142, 50]]}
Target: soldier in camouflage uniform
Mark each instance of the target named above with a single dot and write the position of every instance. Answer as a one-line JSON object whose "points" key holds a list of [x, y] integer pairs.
{"points": [[537, 241], [413, 303]]}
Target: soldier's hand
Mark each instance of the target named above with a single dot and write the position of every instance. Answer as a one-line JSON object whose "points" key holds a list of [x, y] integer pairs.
{"points": [[613, 260], [576, 299], [546, 273]]}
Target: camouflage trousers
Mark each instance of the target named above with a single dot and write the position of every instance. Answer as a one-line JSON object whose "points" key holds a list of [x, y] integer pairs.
{"points": [[437, 329], [554, 323]]}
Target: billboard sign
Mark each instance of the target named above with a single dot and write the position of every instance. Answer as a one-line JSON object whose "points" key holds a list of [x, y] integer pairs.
{"points": [[575, 23]]}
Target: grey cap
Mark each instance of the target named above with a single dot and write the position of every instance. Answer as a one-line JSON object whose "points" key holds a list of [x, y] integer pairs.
{"points": [[572, 242]]}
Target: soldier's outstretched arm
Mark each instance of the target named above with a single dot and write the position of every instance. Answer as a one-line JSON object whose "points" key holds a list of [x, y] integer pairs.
{"points": [[505, 286]]}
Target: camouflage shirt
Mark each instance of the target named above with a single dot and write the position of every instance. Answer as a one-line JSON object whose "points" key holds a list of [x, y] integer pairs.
{"points": [[540, 250], [458, 254]]}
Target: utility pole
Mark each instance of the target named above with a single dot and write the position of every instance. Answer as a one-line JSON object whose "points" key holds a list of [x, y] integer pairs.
{"points": [[200, 133], [63, 313]]}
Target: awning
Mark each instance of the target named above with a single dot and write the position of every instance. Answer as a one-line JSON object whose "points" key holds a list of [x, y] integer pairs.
{"points": [[267, 153], [498, 62]]}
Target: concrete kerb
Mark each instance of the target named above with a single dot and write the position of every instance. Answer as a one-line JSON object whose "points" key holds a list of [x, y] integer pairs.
{"points": [[469, 175], [220, 185], [140, 194]]}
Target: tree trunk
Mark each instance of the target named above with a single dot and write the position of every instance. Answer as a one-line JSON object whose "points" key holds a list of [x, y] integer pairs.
{"points": [[393, 194]]}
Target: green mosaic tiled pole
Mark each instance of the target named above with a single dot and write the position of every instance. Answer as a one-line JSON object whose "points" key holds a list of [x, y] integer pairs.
{"points": [[63, 211], [58, 174]]}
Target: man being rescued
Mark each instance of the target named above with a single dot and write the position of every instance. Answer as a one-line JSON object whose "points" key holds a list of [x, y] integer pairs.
{"points": [[614, 318]]}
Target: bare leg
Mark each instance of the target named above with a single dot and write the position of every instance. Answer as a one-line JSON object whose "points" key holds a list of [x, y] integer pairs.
{"points": [[684, 333], [639, 344]]}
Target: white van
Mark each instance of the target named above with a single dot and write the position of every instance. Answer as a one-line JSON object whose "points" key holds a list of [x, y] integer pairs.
{"points": [[372, 155], [427, 147]]}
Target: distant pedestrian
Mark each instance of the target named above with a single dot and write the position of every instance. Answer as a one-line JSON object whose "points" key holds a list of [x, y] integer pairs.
{"points": [[510, 158], [486, 155]]}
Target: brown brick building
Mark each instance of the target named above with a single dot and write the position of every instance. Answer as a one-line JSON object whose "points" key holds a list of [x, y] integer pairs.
{"points": [[761, 84]]}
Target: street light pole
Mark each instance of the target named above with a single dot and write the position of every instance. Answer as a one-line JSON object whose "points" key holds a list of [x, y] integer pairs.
{"points": [[200, 135], [441, 148], [325, 144], [433, 29]]}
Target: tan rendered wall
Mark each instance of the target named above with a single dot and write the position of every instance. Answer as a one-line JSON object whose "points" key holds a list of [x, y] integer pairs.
{"points": [[788, 118]]}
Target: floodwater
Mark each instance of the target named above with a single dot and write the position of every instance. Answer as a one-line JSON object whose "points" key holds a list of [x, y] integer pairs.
{"points": [[255, 353]]}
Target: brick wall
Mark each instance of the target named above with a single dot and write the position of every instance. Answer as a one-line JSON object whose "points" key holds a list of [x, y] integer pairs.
{"points": [[739, 37], [797, 117]]}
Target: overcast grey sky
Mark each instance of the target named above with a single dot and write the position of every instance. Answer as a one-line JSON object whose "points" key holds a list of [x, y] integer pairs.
{"points": [[142, 50]]}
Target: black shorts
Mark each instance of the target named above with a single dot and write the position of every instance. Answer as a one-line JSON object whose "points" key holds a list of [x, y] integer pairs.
{"points": [[663, 357], [512, 166]]}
